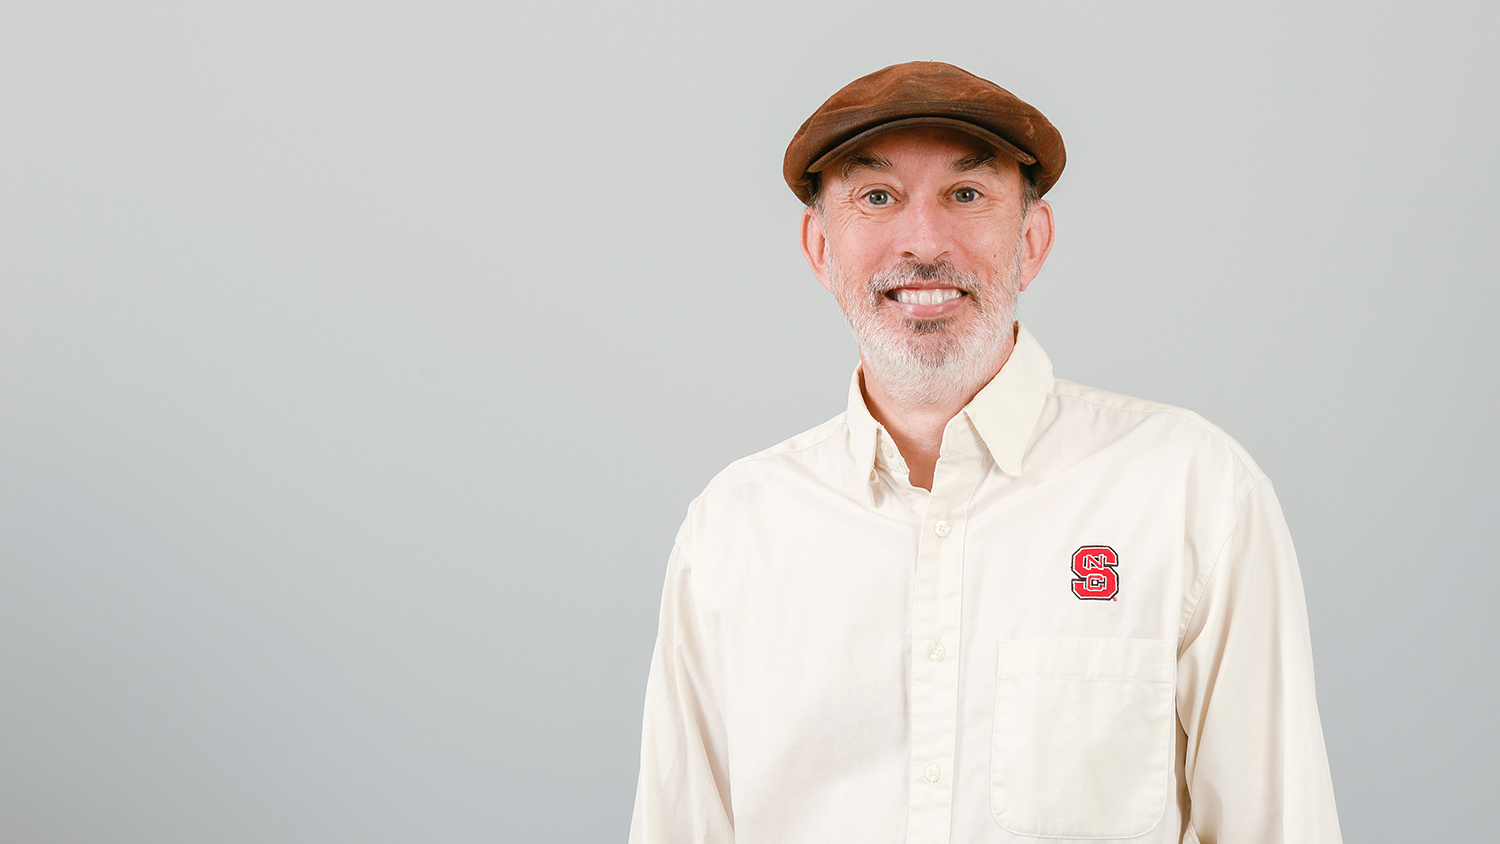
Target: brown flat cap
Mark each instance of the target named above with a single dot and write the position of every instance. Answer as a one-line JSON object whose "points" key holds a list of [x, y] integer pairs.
{"points": [[922, 94]]}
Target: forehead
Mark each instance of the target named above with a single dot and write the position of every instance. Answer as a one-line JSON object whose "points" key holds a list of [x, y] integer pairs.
{"points": [[924, 147]]}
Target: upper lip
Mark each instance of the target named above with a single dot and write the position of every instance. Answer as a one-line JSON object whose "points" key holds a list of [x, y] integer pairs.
{"points": [[927, 285]]}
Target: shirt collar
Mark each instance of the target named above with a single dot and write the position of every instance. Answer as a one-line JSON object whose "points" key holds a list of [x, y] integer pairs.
{"points": [[864, 432], [1003, 414], [1006, 410]]}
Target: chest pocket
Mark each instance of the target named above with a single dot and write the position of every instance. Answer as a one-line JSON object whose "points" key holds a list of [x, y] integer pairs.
{"points": [[1083, 736]]}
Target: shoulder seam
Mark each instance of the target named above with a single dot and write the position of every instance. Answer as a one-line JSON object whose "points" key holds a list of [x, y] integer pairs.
{"points": [[1214, 569], [1183, 413], [783, 448]]}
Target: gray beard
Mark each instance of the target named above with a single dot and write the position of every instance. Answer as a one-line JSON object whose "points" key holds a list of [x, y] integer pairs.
{"points": [[937, 365]]}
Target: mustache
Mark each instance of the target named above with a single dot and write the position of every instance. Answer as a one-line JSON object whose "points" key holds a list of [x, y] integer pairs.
{"points": [[909, 273]]}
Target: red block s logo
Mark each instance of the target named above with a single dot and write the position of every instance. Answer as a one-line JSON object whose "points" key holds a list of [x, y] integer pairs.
{"points": [[1095, 567]]}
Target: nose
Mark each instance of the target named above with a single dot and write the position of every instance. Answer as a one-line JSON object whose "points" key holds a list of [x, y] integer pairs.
{"points": [[924, 231]]}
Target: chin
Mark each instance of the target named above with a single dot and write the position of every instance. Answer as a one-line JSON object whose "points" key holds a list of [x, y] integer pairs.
{"points": [[917, 372], [928, 326]]}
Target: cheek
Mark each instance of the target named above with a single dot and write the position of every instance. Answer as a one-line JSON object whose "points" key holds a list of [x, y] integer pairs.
{"points": [[853, 245], [998, 251], [857, 237]]}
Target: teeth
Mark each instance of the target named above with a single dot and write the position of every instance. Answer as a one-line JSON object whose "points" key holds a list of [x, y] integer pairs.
{"points": [[909, 296]]}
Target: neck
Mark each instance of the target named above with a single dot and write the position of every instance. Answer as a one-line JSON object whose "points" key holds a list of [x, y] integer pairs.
{"points": [[917, 424]]}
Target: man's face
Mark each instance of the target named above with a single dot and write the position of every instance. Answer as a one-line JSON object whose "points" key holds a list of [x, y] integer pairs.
{"points": [[923, 241]]}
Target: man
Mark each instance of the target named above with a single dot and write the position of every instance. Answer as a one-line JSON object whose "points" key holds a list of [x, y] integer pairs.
{"points": [[984, 604]]}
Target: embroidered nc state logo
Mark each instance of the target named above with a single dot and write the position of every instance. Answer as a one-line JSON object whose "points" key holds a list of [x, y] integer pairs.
{"points": [[1096, 578]]}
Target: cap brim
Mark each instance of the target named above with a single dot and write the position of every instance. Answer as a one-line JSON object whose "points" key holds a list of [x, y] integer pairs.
{"points": [[877, 130]]}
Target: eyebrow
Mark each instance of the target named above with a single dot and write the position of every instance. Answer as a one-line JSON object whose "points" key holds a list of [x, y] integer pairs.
{"points": [[869, 162], [976, 161], [973, 161]]}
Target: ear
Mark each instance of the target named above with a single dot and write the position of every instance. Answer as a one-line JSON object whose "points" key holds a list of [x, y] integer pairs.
{"points": [[1036, 240], [815, 245]]}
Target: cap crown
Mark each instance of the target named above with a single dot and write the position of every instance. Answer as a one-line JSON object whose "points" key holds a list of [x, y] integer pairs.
{"points": [[915, 93]]}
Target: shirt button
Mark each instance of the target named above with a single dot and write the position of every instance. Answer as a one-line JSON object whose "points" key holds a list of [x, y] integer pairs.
{"points": [[932, 772], [936, 652], [942, 528]]}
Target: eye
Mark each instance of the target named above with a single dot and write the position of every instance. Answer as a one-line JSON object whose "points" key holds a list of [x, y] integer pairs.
{"points": [[878, 197], [966, 194]]}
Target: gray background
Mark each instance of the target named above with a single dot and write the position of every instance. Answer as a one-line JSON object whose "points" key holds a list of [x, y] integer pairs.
{"points": [[360, 359]]}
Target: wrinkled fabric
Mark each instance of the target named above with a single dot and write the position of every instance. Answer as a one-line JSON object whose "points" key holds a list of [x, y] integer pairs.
{"points": [[1092, 628]]}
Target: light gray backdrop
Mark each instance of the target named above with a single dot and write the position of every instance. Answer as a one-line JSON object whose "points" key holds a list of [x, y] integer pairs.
{"points": [[360, 358]]}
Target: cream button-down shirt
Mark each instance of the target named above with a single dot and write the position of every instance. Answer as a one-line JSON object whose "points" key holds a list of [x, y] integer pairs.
{"points": [[1092, 628]]}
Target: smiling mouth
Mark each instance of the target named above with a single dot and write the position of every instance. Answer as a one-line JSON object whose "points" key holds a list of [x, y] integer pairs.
{"points": [[925, 296]]}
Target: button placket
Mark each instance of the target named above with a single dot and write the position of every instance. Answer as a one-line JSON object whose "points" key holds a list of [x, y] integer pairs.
{"points": [[934, 677]]}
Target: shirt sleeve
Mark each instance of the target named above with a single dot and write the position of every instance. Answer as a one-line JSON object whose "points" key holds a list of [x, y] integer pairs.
{"points": [[682, 796], [1255, 763]]}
